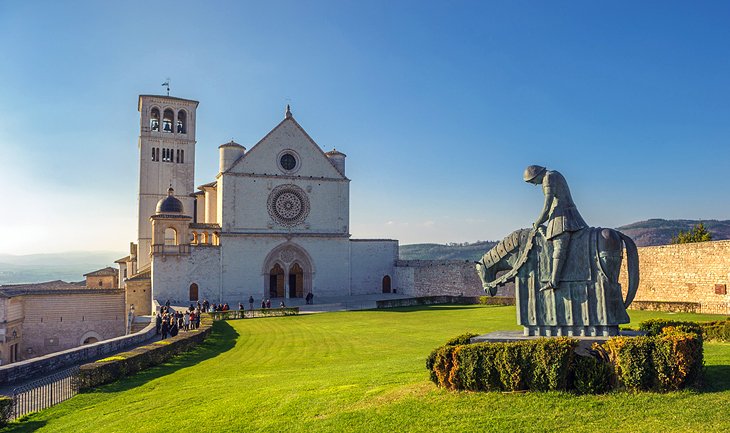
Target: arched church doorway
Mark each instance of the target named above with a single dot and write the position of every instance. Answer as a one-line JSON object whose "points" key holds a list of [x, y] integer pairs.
{"points": [[288, 271], [296, 281], [386, 284], [193, 292], [276, 282]]}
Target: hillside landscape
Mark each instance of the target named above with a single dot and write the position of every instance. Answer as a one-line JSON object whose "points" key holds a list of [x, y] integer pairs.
{"points": [[645, 233]]}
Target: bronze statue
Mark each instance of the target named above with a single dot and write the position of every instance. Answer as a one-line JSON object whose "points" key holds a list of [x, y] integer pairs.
{"points": [[559, 212], [566, 276]]}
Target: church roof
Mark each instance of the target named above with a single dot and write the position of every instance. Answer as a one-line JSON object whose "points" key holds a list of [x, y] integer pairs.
{"points": [[57, 287], [144, 275], [230, 144], [166, 97], [208, 185], [122, 260], [334, 152], [102, 272]]}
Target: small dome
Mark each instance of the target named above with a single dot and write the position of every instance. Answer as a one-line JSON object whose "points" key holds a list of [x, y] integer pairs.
{"points": [[169, 204]]}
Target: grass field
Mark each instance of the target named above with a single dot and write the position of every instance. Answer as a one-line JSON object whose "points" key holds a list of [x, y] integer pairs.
{"points": [[364, 371]]}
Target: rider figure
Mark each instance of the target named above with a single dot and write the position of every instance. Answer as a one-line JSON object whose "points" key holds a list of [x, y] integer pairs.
{"points": [[559, 212]]}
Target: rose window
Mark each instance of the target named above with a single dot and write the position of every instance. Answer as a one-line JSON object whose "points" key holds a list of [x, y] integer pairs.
{"points": [[288, 205]]}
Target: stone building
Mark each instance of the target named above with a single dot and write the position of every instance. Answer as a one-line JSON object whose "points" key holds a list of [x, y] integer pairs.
{"points": [[37, 319], [107, 278], [273, 224]]}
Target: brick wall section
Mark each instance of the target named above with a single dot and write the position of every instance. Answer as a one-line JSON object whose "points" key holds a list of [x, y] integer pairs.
{"points": [[684, 273], [419, 278]]}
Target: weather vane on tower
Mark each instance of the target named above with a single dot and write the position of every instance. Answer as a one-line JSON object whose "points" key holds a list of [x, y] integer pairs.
{"points": [[167, 84]]}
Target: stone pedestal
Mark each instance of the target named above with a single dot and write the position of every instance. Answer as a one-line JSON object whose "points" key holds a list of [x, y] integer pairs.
{"points": [[584, 342]]}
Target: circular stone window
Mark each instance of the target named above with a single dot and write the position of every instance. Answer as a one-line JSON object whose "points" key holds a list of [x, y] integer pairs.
{"points": [[288, 205], [288, 161]]}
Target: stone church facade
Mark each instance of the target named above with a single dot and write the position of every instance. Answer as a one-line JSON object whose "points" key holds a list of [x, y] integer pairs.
{"points": [[273, 224]]}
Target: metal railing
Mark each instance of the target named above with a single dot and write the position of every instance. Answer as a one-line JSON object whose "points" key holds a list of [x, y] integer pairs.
{"points": [[45, 392], [250, 314]]}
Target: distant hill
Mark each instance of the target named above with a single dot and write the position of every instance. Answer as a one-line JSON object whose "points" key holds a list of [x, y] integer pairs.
{"points": [[445, 252], [644, 233], [660, 232], [36, 268]]}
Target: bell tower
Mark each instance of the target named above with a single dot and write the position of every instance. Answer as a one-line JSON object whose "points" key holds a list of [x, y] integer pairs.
{"points": [[166, 160]]}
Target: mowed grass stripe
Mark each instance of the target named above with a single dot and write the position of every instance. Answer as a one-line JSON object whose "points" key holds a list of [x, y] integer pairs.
{"points": [[364, 371]]}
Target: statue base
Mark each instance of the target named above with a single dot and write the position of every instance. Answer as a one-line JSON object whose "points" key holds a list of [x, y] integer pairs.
{"points": [[584, 341], [571, 331]]}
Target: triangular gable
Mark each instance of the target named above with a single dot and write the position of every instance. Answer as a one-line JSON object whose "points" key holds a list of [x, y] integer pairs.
{"points": [[288, 134]]}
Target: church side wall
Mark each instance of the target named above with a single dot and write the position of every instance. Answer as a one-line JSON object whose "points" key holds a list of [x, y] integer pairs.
{"points": [[173, 275], [371, 261], [442, 277], [684, 273], [58, 322]]}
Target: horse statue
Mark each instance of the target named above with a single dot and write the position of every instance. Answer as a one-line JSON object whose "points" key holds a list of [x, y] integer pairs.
{"points": [[588, 300]]}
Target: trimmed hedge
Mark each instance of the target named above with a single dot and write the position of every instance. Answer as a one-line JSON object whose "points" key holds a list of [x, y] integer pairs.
{"points": [[540, 365], [669, 361], [718, 330], [124, 364], [6, 410], [497, 300]]}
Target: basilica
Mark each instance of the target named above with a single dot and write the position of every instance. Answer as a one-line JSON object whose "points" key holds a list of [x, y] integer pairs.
{"points": [[274, 223]]}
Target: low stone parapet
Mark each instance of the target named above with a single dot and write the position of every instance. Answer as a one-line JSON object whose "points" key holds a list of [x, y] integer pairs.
{"points": [[140, 358]]}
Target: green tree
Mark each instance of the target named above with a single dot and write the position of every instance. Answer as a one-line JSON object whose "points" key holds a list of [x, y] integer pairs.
{"points": [[698, 233]]}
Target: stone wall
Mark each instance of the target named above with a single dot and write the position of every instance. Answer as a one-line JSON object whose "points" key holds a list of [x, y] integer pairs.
{"points": [[441, 277], [58, 322], [688, 273], [37, 367]]}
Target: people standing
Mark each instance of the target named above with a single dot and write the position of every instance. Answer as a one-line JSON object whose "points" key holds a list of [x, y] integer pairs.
{"points": [[158, 323], [250, 302]]}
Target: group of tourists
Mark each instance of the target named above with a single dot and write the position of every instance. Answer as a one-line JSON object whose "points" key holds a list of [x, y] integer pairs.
{"points": [[169, 322]]}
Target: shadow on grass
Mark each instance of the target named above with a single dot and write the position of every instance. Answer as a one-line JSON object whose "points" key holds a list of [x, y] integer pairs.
{"points": [[221, 339], [24, 427], [717, 378]]}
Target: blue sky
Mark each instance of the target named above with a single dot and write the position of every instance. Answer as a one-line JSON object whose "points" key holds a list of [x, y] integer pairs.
{"points": [[439, 106]]}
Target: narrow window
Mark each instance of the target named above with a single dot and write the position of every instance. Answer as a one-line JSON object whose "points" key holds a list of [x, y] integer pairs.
{"points": [[182, 156], [177, 156], [153, 153]]}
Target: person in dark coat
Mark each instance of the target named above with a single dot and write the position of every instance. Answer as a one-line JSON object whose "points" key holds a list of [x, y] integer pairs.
{"points": [[158, 324], [173, 328], [165, 328]]}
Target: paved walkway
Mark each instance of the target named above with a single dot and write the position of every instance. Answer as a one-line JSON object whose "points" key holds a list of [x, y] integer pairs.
{"points": [[323, 304]]}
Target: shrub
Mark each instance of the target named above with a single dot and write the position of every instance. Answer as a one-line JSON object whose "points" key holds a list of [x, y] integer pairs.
{"points": [[719, 331], [654, 327], [6, 409], [461, 339], [540, 365], [591, 375], [669, 361]]}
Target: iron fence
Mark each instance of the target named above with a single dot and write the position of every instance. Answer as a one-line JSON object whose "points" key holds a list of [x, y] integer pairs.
{"points": [[45, 392]]}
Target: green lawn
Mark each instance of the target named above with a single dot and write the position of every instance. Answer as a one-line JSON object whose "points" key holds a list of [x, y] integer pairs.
{"points": [[364, 371]]}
